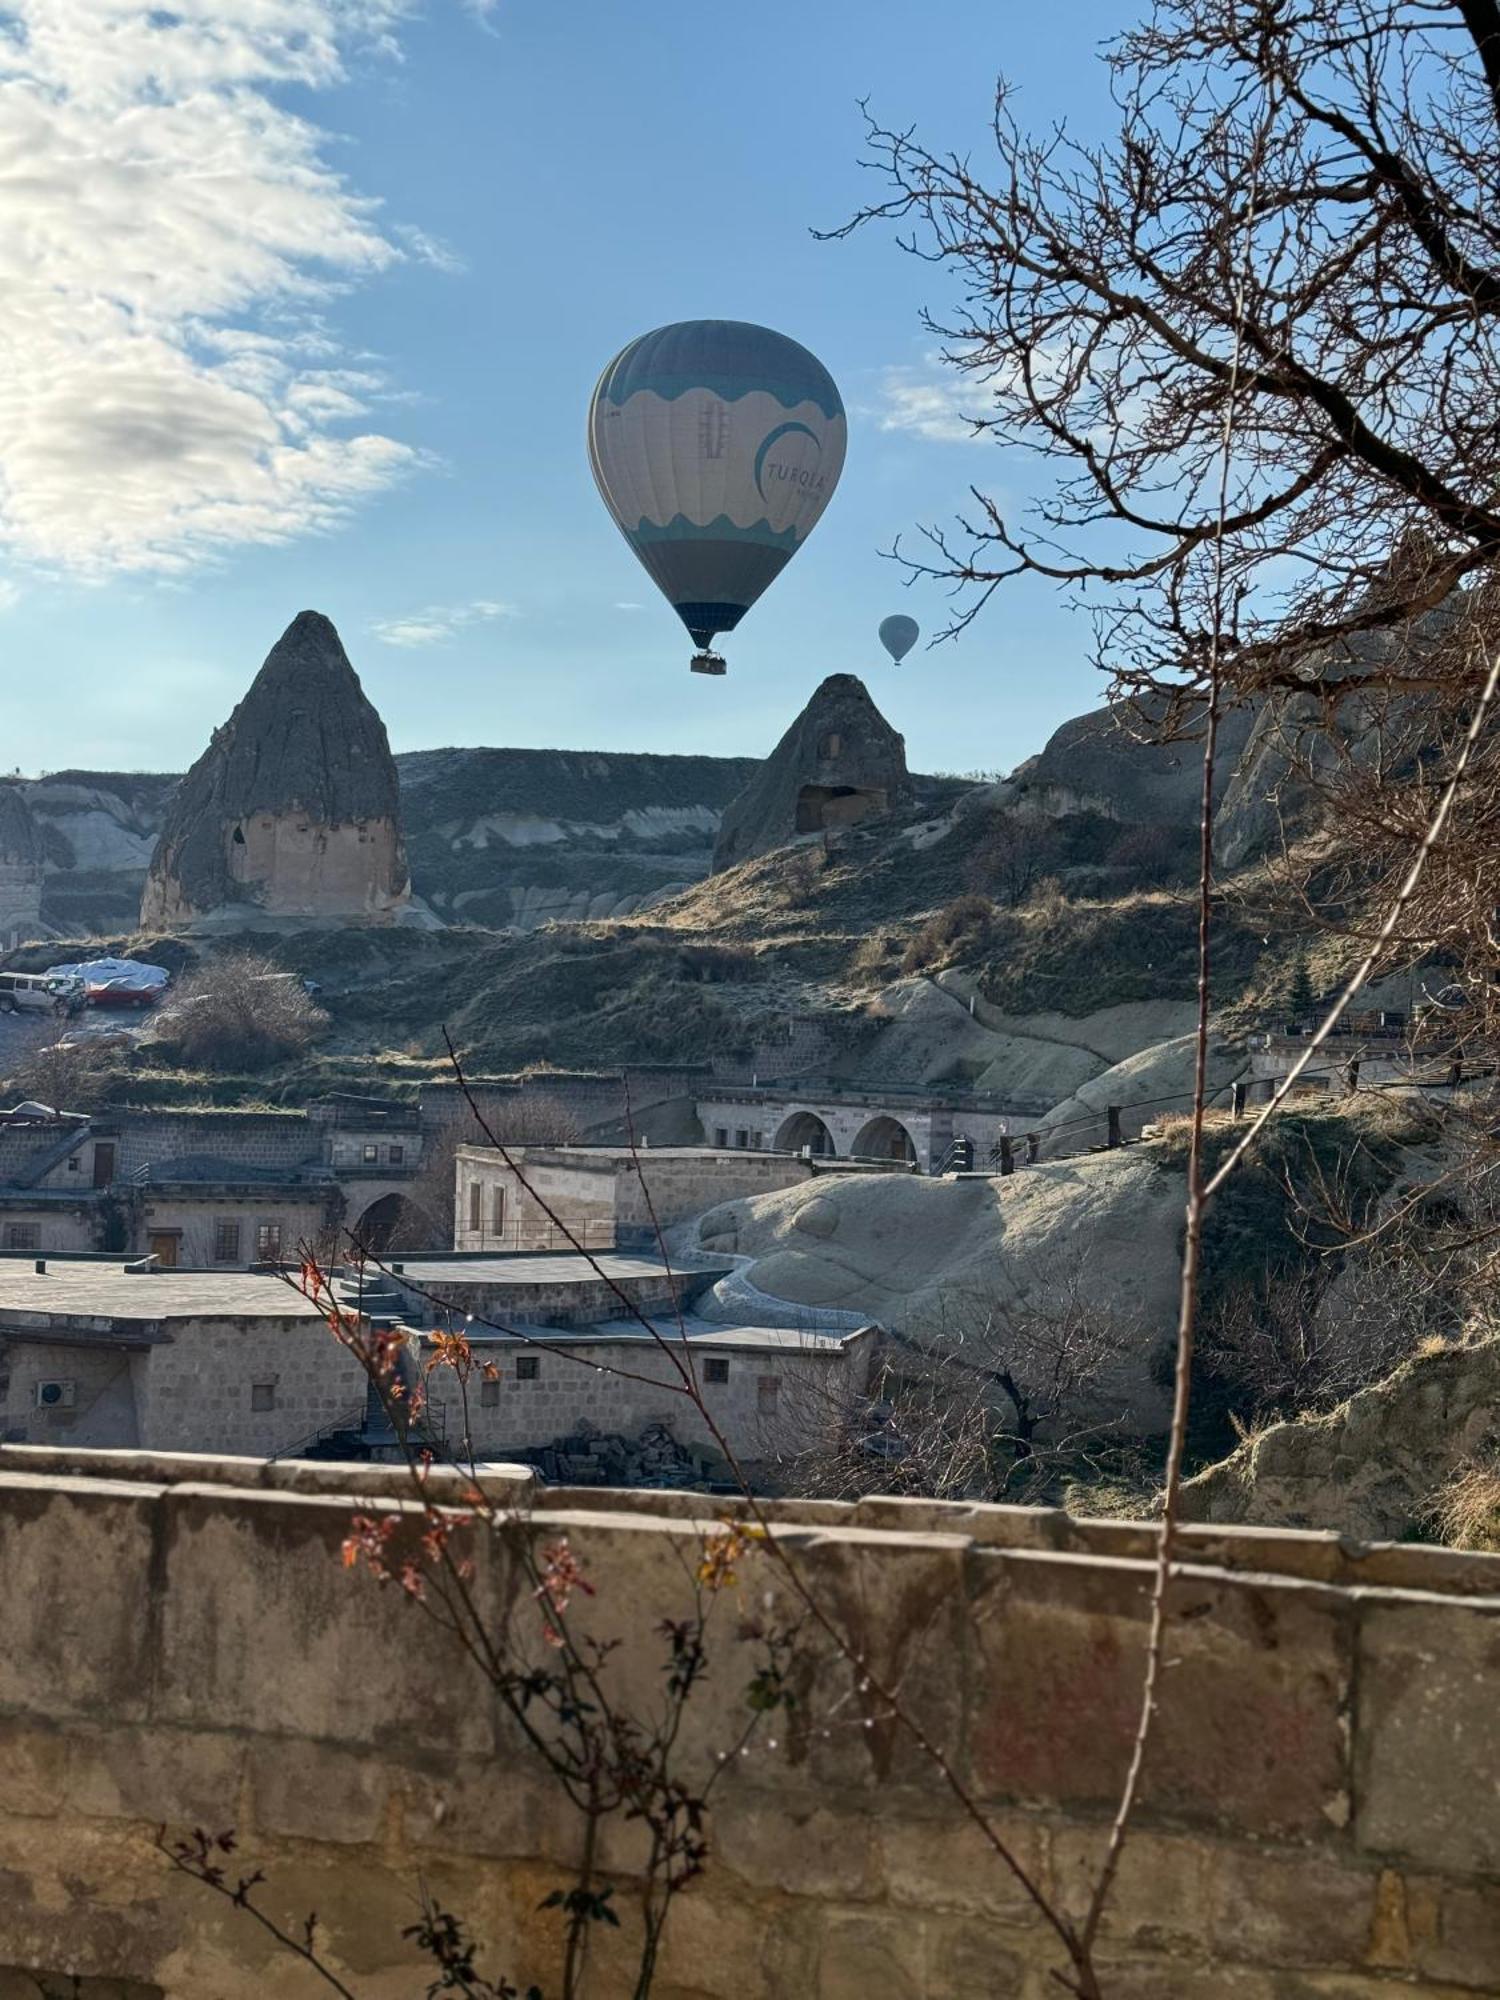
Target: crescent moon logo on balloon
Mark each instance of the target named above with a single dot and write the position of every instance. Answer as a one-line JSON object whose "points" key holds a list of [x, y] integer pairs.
{"points": [[774, 437]]}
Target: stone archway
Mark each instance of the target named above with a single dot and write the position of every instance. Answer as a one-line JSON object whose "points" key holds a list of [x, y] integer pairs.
{"points": [[386, 1218], [884, 1138], [804, 1129]]}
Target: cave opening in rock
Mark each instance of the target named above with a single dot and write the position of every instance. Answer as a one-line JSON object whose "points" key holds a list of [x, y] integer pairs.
{"points": [[820, 806]]}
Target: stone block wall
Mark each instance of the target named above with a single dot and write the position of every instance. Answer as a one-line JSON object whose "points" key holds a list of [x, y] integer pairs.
{"points": [[198, 1391], [1320, 1818], [621, 1388], [248, 1138], [193, 1216]]}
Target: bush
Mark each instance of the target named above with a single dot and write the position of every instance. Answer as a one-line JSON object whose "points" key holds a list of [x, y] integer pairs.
{"points": [[66, 1076], [240, 1011], [965, 924]]}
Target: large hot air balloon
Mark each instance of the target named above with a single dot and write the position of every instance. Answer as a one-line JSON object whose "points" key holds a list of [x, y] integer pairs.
{"points": [[898, 635], [716, 446]]}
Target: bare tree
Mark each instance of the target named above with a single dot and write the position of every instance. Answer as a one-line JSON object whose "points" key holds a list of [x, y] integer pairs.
{"points": [[239, 1010], [1308, 184], [67, 1075], [987, 1398]]}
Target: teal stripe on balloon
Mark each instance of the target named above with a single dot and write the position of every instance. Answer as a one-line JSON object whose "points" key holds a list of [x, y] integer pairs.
{"points": [[728, 388], [721, 529]]}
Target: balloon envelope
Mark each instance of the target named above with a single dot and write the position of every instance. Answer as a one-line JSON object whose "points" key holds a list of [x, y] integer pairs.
{"points": [[898, 635], [716, 446]]}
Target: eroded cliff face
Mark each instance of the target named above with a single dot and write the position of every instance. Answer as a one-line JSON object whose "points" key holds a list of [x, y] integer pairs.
{"points": [[293, 811], [20, 869]]}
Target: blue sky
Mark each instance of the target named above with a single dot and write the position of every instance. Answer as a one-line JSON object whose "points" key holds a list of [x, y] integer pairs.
{"points": [[305, 310]]}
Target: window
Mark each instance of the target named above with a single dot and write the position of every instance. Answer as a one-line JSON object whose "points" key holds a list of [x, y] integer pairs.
{"points": [[489, 1394], [262, 1395], [268, 1243], [721, 1135], [372, 1154], [831, 745], [767, 1393], [23, 1236], [226, 1240], [74, 1164], [528, 1367], [716, 1371], [757, 1140], [742, 1139], [497, 1209], [397, 1156], [476, 1205]]}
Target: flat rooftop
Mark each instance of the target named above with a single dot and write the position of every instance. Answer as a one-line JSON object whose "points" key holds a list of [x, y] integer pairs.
{"points": [[538, 1267], [605, 1153], [699, 1332], [102, 1289]]}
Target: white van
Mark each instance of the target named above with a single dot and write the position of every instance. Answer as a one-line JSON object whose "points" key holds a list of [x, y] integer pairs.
{"points": [[28, 993]]}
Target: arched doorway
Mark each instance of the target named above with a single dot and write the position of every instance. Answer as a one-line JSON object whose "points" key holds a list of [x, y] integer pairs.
{"points": [[386, 1221], [805, 1129], [885, 1139]]}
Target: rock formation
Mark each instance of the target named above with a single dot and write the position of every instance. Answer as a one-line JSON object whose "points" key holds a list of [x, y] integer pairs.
{"points": [[839, 763], [20, 869], [1374, 1466], [293, 810], [1104, 762]]}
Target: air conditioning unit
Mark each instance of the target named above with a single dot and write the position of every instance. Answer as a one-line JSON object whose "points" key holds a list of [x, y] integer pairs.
{"points": [[55, 1395]]}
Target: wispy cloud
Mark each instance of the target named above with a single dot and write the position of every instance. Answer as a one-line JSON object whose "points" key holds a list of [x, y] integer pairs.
{"points": [[439, 622], [10, 594], [629, 604], [930, 402], [167, 389]]}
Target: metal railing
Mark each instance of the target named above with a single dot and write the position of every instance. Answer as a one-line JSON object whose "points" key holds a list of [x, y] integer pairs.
{"points": [[596, 1233]]}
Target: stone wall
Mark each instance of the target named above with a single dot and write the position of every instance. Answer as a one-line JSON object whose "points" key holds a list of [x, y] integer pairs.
{"points": [[192, 1218], [604, 1195], [1320, 1819], [255, 1386], [617, 1387]]}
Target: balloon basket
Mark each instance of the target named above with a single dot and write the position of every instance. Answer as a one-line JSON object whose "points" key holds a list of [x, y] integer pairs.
{"points": [[708, 663]]}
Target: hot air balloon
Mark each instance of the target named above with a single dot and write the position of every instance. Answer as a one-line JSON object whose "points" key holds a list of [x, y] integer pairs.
{"points": [[898, 635], [716, 446]]}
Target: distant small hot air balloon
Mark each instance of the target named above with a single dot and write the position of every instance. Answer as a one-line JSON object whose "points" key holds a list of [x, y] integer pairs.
{"points": [[898, 635], [716, 446]]}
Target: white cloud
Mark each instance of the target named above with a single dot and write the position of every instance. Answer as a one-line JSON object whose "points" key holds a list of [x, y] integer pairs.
{"points": [[930, 402], [10, 594], [439, 622], [166, 387], [629, 604]]}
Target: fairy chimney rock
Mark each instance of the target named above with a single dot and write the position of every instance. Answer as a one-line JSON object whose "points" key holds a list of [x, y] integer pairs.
{"points": [[293, 810], [20, 869], [840, 763]]}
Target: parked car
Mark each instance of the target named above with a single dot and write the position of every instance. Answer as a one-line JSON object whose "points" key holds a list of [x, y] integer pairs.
{"points": [[30, 993]]}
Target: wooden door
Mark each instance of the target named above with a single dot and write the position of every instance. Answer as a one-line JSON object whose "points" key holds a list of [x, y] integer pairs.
{"points": [[164, 1249]]}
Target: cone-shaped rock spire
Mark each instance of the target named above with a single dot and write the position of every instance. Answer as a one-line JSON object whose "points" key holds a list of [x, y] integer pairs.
{"points": [[839, 763], [293, 809]]}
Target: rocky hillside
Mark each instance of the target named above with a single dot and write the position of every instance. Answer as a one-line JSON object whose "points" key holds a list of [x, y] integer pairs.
{"points": [[494, 837]]}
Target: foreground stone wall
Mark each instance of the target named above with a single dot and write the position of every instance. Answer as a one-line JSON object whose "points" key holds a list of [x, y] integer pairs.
{"points": [[1321, 1818]]}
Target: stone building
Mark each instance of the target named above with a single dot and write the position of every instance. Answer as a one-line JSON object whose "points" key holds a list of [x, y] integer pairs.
{"points": [[215, 1189], [839, 764], [293, 810], [96, 1352], [604, 1195], [21, 871]]}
